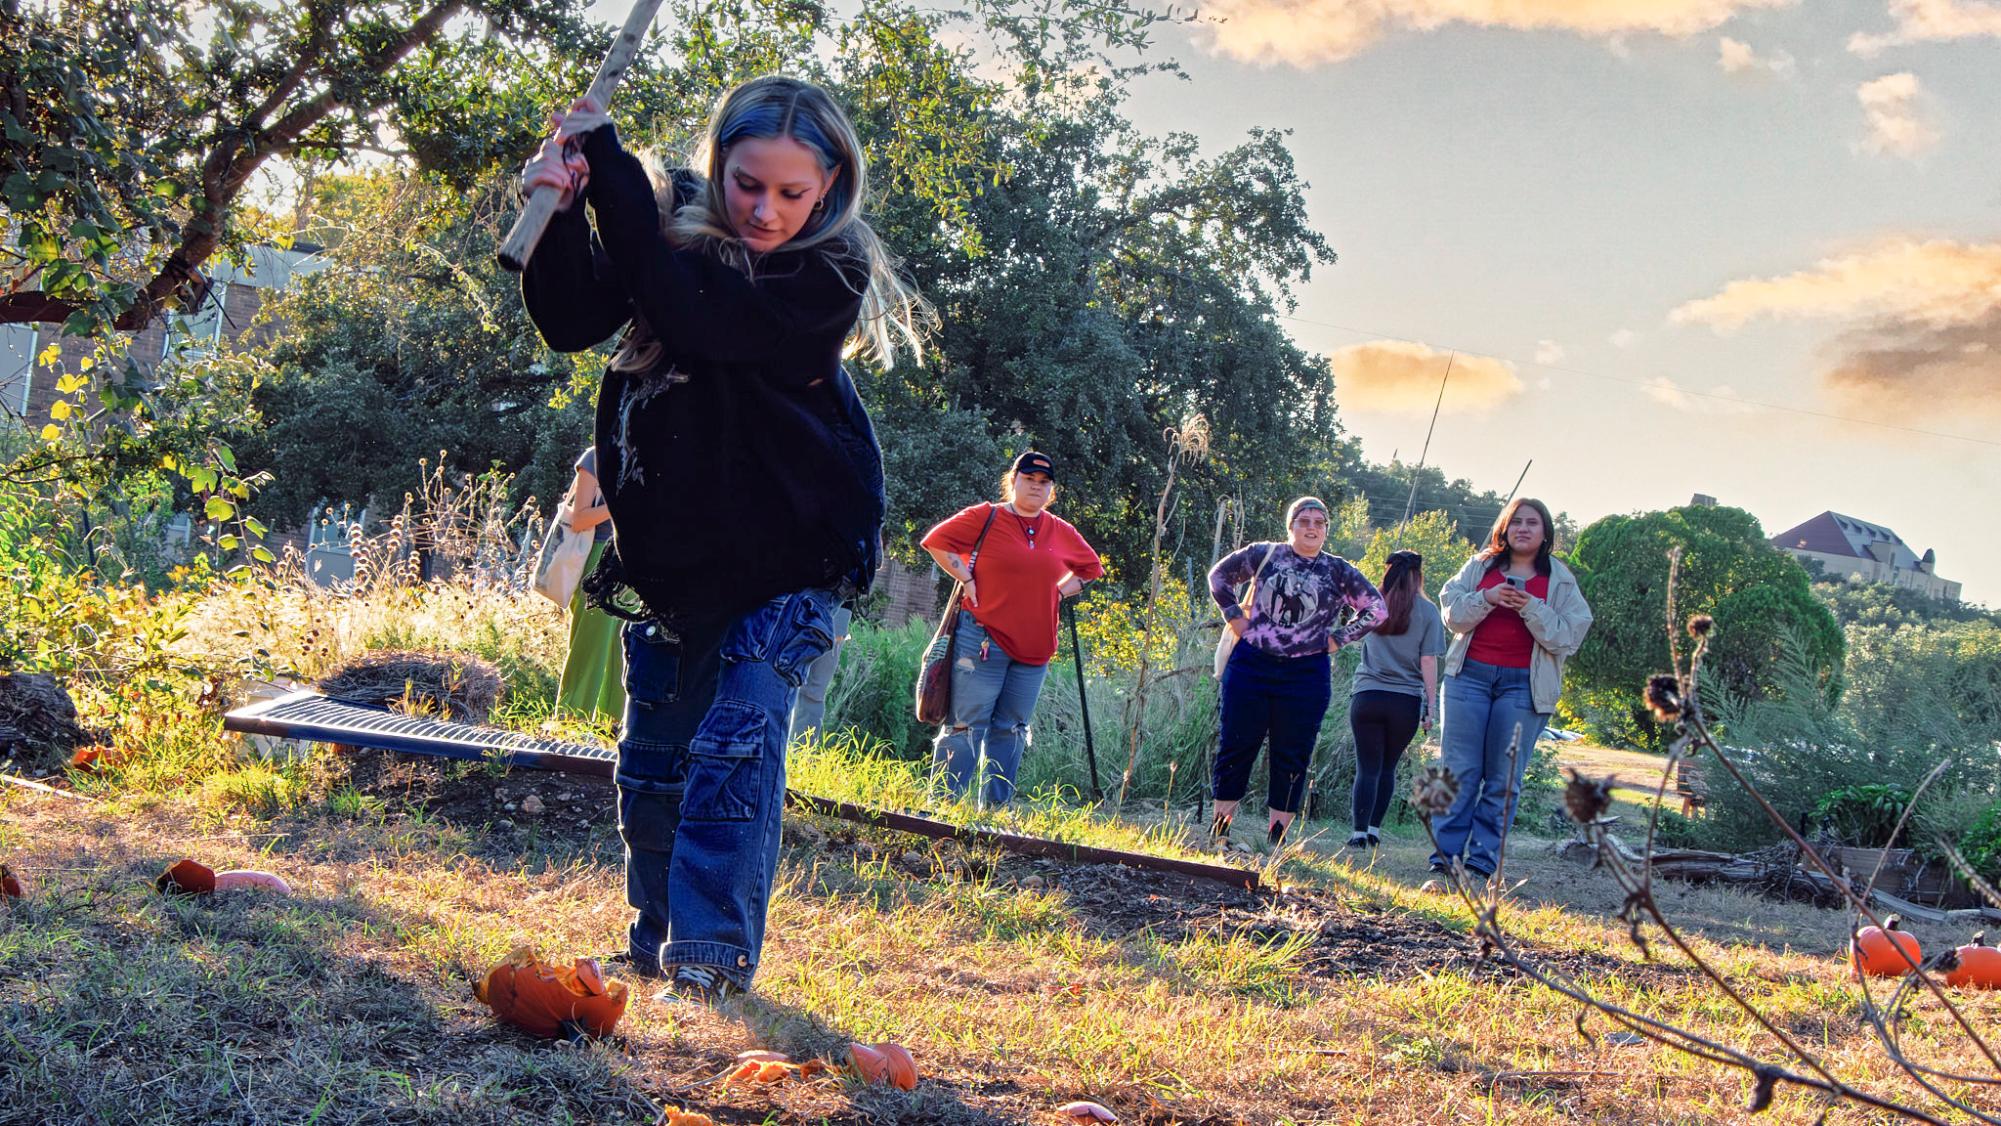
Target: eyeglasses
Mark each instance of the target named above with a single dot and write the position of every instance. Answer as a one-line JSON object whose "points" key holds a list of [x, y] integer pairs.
{"points": [[1306, 523]]}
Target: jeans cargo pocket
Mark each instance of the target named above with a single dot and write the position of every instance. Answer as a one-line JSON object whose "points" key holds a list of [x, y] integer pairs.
{"points": [[652, 663], [790, 632], [726, 764]]}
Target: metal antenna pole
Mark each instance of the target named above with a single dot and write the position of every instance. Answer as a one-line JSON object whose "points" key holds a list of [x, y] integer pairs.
{"points": [[1426, 451]]}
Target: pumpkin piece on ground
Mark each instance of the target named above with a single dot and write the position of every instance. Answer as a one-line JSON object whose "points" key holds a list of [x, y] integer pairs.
{"points": [[548, 1001], [248, 880], [186, 878], [1084, 1110], [886, 1062], [678, 1117]]}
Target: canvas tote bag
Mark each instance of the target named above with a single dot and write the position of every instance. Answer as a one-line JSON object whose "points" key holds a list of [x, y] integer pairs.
{"points": [[560, 566], [933, 698], [1227, 643]]}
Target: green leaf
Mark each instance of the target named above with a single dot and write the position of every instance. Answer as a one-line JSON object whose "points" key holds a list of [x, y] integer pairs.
{"points": [[218, 509]]}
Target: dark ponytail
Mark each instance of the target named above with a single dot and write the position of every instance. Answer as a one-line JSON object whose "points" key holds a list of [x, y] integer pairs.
{"points": [[1403, 584]]}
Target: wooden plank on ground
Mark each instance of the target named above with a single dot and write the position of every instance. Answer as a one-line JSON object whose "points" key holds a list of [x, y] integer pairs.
{"points": [[309, 715]]}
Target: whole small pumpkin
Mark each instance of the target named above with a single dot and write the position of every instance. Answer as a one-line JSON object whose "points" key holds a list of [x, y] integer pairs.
{"points": [[1884, 951], [1976, 964]]}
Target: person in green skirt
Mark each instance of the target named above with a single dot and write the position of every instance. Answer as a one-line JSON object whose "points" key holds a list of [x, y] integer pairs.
{"points": [[593, 684]]}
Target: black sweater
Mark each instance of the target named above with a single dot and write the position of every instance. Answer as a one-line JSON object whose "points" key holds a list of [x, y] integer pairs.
{"points": [[741, 466]]}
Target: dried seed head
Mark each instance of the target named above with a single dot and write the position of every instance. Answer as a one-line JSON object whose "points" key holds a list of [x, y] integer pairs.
{"points": [[1664, 697], [1700, 625], [1587, 799], [1434, 791]]}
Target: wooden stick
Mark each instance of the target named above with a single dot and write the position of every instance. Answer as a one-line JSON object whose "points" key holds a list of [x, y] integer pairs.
{"points": [[39, 787], [520, 243]]}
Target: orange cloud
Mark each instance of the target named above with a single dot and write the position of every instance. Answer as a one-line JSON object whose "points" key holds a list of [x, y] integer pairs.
{"points": [[1400, 376], [1931, 21], [1304, 33], [1925, 323], [1939, 283]]}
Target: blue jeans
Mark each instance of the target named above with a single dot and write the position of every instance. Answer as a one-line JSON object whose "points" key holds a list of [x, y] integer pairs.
{"points": [[1483, 706], [993, 698], [701, 775], [1280, 698], [811, 707]]}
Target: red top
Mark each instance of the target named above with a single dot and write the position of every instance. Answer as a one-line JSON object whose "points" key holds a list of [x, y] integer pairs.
{"points": [[1015, 579], [1502, 638]]}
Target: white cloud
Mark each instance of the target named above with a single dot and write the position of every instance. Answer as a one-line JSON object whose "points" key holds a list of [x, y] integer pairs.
{"points": [[1623, 338], [1735, 56], [1722, 400], [1306, 33], [1401, 376], [1548, 352], [1899, 124], [1931, 21], [1938, 283]]}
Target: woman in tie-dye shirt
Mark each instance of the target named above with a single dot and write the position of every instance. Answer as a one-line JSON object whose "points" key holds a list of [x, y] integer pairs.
{"points": [[1305, 604]]}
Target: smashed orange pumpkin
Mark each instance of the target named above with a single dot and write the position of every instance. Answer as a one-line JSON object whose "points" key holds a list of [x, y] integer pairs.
{"points": [[886, 1062], [677, 1117], [1884, 951], [543, 1000], [1976, 964]]}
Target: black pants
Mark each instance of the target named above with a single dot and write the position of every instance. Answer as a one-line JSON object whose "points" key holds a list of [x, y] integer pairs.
{"points": [[1383, 723], [1283, 698]]}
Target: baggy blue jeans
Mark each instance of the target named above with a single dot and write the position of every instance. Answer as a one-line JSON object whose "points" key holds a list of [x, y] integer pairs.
{"points": [[811, 706], [993, 699], [701, 775], [1483, 706]]}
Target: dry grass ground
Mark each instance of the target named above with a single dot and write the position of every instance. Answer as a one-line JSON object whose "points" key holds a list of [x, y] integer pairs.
{"points": [[1347, 997], [1344, 995]]}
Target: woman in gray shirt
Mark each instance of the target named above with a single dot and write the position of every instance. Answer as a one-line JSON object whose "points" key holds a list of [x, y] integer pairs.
{"points": [[1395, 687]]}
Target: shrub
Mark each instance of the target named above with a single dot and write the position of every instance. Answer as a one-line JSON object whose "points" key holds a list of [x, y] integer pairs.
{"points": [[1865, 816]]}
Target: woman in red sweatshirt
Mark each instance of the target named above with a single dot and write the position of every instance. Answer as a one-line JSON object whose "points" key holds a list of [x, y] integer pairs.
{"points": [[1018, 561]]}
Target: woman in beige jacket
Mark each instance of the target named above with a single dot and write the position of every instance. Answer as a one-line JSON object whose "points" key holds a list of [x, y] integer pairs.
{"points": [[1516, 613]]}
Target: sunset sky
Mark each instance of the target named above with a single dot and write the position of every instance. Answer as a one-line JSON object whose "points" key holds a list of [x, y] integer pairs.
{"points": [[1648, 225], [1748, 248]]}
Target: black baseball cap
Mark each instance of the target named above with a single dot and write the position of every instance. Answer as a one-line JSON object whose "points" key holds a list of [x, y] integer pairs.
{"points": [[1033, 462]]}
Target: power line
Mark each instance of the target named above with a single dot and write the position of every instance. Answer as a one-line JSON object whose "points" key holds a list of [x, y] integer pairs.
{"points": [[1732, 399]]}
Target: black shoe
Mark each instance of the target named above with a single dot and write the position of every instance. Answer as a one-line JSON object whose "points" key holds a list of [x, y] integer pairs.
{"points": [[1440, 868], [1361, 840], [1276, 836], [627, 964], [1375, 840], [1221, 828], [699, 984]]}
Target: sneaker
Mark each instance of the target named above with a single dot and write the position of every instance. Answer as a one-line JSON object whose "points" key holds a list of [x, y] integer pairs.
{"points": [[1220, 830], [1440, 868], [699, 984], [1276, 836], [1361, 840], [627, 964], [1375, 839]]}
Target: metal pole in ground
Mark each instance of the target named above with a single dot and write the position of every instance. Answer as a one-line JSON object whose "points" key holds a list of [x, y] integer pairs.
{"points": [[1084, 702]]}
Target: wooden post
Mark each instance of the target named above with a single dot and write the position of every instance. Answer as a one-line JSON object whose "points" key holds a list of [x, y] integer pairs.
{"points": [[519, 245]]}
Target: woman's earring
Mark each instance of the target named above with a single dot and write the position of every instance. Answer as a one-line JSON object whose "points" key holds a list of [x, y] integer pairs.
{"points": [[820, 204]]}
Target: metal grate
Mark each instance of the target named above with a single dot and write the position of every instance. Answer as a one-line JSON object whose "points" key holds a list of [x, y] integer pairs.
{"points": [[309, 715]]}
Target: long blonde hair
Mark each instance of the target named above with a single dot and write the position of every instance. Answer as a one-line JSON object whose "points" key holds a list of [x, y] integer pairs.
{"points": [[893, 314]]}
